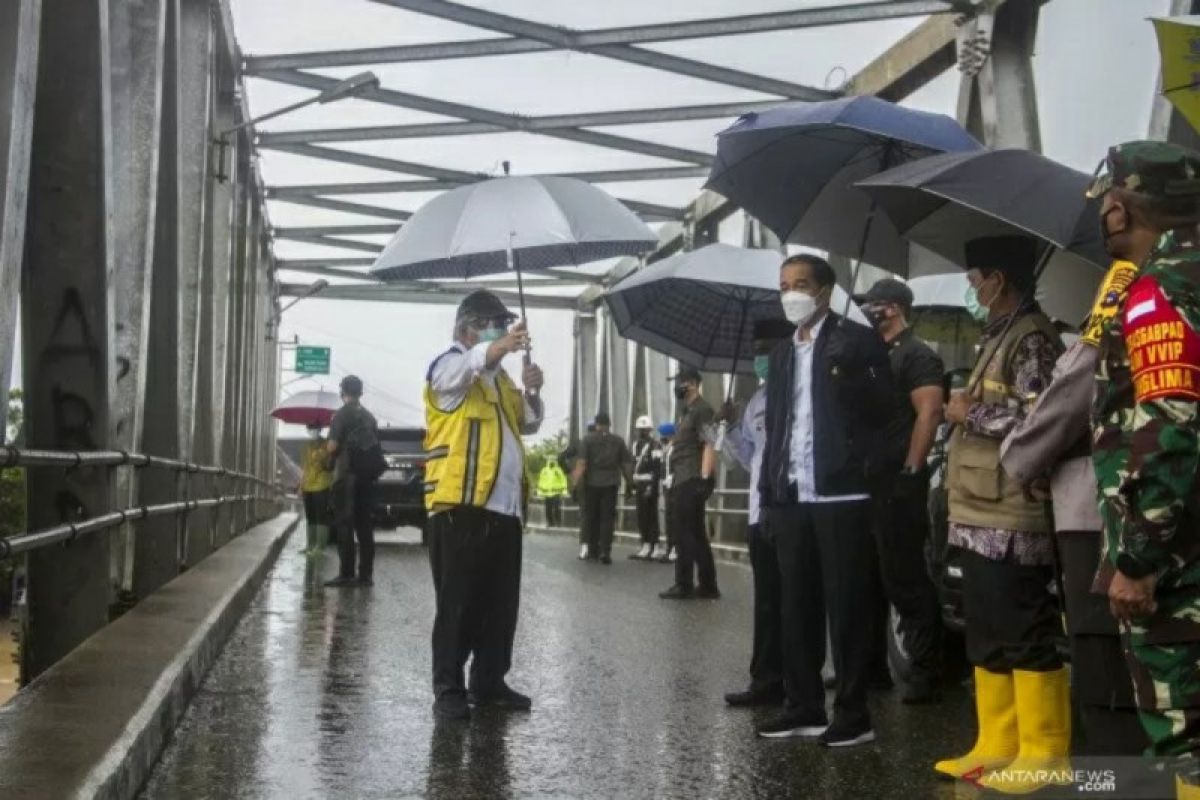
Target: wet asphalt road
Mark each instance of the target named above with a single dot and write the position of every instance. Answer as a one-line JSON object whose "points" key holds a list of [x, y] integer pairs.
{"points": [[325, 694]]}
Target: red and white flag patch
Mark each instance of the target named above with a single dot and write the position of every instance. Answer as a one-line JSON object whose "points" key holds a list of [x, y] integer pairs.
{"points": [[1164, 350]]}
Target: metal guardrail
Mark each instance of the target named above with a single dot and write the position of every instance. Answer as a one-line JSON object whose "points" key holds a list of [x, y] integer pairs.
{"points": [[16, 457]]}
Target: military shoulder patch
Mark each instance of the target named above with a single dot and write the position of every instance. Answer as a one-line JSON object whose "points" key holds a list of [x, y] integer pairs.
{"points": [[1164, 350]]}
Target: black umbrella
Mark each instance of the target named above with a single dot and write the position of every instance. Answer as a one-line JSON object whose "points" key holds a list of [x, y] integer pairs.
{"points": [[794, 168], [945, 201]]}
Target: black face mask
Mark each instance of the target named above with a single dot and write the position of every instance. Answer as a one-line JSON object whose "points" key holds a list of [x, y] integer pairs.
{"points": [[680, 392], [1105, 233], [877, 316]]}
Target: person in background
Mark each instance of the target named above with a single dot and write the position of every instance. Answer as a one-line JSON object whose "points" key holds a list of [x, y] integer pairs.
{"points": [[829, 392], [314, 490], [647, 475], [900, 491], [690, 490], [552, 488], [1012, 619], [666, 435], [745, 442], [577, 494], [475, 416], [603, 460], [1055, 440], [1146, 438], [352, 432]]}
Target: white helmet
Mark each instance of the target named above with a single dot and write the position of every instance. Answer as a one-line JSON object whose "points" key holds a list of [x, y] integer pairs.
{"points": [[643, 423]]}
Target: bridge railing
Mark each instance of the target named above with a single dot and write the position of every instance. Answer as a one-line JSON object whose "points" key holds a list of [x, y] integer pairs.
{"points": [[255, 491]]}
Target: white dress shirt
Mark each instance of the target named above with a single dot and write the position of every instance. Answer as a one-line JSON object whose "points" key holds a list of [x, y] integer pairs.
{"points": [[451, 379], [746, 442], [802, 469]]}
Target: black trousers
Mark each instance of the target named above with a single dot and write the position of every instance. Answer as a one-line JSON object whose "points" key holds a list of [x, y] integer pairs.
{"points": [[1012, 619], [475, 555], [766, 659], [600, 509], [1101, 688], [692, 547], [826, 558], [354, 502], [553, 511], [900, 526], [647, 516]]}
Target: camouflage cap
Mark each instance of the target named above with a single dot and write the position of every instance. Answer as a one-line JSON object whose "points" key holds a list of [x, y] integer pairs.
{"points": [[1158, 169]]}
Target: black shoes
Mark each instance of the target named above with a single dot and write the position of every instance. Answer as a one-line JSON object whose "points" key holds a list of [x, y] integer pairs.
{"points": [[708, 593], [793, 725], [452, 706], [342, 582], [881, 681], [841, 735], [366, 581], [678, 592], [606, 559], [756, 696], [502, 697]]}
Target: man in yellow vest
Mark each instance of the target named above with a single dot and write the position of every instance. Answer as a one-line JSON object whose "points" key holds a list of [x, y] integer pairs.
{"points": [[476, 494], [552, 488]]}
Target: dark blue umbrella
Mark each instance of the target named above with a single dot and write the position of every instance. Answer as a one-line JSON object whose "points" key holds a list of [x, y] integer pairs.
{"points": [[794, 168]]}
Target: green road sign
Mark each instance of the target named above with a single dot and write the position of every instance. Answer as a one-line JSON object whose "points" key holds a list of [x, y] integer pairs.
{"points": [[312, 360]]}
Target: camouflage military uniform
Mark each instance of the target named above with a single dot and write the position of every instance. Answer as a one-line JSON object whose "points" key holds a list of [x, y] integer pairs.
{"points": [[1146, 450]]}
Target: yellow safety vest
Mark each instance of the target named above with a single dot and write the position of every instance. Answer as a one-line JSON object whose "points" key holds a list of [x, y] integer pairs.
{"points": [[462, 444]]}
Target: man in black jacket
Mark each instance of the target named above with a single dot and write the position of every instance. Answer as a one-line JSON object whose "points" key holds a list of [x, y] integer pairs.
{"points": [[828, 400]]}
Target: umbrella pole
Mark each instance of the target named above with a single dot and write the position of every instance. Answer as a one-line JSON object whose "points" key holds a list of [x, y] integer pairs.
{"points": [[719, 444], [515, 266], [885, 161]]}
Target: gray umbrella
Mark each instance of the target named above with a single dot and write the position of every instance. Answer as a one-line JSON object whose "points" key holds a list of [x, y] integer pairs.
{"points": [[521, 223], [700, 307]]}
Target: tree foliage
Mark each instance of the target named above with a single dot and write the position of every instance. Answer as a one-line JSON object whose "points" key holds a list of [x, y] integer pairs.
{"points": [[537, 454]]}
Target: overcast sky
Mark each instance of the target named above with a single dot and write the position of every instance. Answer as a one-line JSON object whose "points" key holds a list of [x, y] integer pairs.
{"points": [[1095, 68]]}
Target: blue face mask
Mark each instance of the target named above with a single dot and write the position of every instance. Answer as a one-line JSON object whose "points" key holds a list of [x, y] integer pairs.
{"points": [[491, 334], [977, 310], [760, 366]]}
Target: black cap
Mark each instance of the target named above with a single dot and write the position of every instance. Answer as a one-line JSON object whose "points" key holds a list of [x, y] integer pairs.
{"points": [[686, 374], [603, 419], [351, 386], [888, 290], [773, 328], [484, 305], [1011, 254]]}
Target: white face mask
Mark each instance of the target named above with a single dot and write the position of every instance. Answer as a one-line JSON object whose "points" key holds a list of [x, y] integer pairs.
{"points": [[798, 306], [314, 433]]}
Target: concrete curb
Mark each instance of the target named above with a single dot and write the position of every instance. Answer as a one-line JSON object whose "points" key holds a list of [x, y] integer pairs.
{"points": [[94, 724], [721, 551]]}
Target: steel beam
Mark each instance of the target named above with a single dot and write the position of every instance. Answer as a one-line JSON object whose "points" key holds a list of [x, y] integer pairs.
{"points": [[336, 230], [361, 209], [586, 374], [563, 39], [399, 187], [67, 318], [528, 125], [137, 28], [441, 294], [330, 241], [926, 52], [330, 272], [19, 24], [639, 34], [155, 542], [998, 99], [513, 122], [296, 263], [617, 361]]}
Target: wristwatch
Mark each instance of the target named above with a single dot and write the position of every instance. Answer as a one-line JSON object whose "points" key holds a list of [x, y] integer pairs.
{"points": [[1133, 567]]}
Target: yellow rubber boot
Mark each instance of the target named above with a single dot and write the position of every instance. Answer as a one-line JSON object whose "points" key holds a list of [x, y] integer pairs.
{"points": [[1185, 789], [996, 709], [1044, 727]]}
